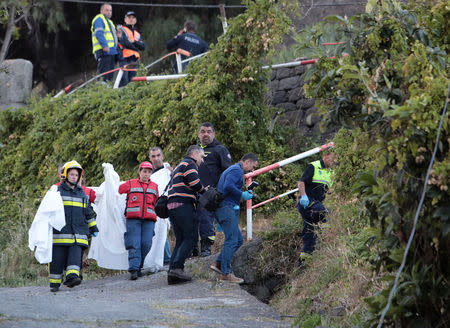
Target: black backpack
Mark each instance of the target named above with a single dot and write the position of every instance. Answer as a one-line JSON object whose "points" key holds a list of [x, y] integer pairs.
{"points": [[210, 199]]}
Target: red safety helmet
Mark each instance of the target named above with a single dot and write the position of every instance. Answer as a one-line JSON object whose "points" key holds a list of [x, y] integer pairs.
{"points": [[145, 165]]}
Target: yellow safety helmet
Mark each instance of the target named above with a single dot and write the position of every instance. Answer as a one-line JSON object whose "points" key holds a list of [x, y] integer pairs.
{"points": [[72, 165]]}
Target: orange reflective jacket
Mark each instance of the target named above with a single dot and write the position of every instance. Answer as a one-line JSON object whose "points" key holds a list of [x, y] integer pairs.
{"points": [[132, 35]]}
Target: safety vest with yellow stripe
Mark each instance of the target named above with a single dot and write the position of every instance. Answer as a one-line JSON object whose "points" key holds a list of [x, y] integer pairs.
{"points": [[321, 174], [108, 34], [132, 35], [79, 218]]}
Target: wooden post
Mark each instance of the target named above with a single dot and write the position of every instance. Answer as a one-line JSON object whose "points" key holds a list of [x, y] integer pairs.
{"points": [[224, 17]]}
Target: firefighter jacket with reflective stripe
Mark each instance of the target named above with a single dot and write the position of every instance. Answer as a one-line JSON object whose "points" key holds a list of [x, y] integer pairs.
{"points": [[131, 35], [322, 174], [109, 33], [141, 199], [79, 217]]}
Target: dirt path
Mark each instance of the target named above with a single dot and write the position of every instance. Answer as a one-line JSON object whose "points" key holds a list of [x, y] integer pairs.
{"points": [[146, 302]]}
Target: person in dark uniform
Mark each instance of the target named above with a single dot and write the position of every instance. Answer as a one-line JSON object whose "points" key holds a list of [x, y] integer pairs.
{"points": [[70, 242], [217, 160], [312, 187], [186, 39]]}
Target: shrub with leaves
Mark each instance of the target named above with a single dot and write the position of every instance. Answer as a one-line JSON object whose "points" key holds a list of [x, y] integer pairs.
{"points": [[99, 124], [392, 87]]}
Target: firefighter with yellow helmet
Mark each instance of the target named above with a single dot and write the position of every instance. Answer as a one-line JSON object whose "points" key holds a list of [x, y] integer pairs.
{"points": [[70, 242]]}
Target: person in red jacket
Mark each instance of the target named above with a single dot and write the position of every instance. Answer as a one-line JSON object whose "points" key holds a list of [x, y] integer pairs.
{"points": [[140, 217]]}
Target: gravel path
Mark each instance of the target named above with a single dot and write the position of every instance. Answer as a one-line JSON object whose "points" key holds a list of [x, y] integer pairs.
{"points": [[146, 302]]}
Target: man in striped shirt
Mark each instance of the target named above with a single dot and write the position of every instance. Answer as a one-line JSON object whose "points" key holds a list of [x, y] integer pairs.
{"points": [[182, 210]]}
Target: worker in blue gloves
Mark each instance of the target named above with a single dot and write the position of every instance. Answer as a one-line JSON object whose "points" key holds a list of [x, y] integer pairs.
{"points": [[312, 187], [230, 184]]}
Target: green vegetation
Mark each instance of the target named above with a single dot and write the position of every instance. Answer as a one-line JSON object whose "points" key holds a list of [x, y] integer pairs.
{"points": [[98, 124], [389, 94], [12, 12]]}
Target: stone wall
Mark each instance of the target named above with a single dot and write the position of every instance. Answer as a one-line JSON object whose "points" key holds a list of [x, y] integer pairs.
{"points": [[16, 80], [286, 93]]}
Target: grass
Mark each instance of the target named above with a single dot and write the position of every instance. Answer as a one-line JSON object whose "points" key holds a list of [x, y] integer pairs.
{"points": [[336, 279]]}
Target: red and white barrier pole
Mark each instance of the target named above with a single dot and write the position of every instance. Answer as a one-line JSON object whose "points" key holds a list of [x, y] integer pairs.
{"points": [[272, 167], [157, 77], [275, 198]]}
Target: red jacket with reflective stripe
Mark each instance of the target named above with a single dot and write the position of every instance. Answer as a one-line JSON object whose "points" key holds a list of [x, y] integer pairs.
{"points": [[141, 199]]}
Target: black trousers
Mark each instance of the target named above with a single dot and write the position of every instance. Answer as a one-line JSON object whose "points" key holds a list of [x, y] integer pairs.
{"points": [[182, 219], [64, 258], [106, 63]]}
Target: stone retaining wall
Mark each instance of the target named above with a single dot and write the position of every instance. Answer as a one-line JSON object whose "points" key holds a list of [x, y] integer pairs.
{"points": [[286, 93]]}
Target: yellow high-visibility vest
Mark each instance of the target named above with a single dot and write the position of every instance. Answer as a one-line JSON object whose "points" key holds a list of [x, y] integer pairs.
{"points": [[109, 36], [321, 174]]}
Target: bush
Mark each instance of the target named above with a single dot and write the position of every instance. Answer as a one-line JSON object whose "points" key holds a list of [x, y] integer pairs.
{"points": [[99, 124], [390, 91]]}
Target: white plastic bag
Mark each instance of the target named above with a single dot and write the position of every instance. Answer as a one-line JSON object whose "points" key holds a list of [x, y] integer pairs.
{"points": [[49, 215], [108, 248]]}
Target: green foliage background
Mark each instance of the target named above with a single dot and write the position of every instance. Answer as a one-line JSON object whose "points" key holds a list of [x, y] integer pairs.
{"points": [[99, 124], [389, 93]]}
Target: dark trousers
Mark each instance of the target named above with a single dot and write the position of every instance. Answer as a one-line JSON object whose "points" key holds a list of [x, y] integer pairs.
{"points": [[204, 226], [312, 215], [127, 75], [66, 258], [106, 63], [182, 219]]}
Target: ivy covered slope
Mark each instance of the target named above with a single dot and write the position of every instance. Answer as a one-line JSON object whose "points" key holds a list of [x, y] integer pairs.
{"points": [[392, 88], [98, 124]]}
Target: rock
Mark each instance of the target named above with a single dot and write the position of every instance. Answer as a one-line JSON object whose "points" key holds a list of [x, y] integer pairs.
{"points": [[283, 73], [273, 86], [39, 91], [11, 105], [295, 94], [300, 69], [338, 311], [290, 83], [306, 103], [288, 107], [279, 97], [242, 258], [261, 287], [273, 75], [312, 117], [16, 82]]}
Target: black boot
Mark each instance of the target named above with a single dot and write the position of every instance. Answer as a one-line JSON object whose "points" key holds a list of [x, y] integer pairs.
{"points": [[177, 276], [195, 251], [206, 247], [133, 275], [72, 280]]}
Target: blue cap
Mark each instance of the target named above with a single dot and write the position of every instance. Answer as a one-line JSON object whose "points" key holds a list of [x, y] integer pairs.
{"points": [[130, 13]]}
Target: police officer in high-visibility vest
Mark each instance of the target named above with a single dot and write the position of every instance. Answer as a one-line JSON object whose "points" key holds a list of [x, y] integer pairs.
{"points": [[130, 43], [312, 187], [69, 243], [104, 41]]}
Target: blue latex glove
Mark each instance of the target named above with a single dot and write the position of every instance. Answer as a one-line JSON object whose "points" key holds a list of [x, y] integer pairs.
{"points": [[248, 194], [95, 234], [236, 207], [304, 201]]}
